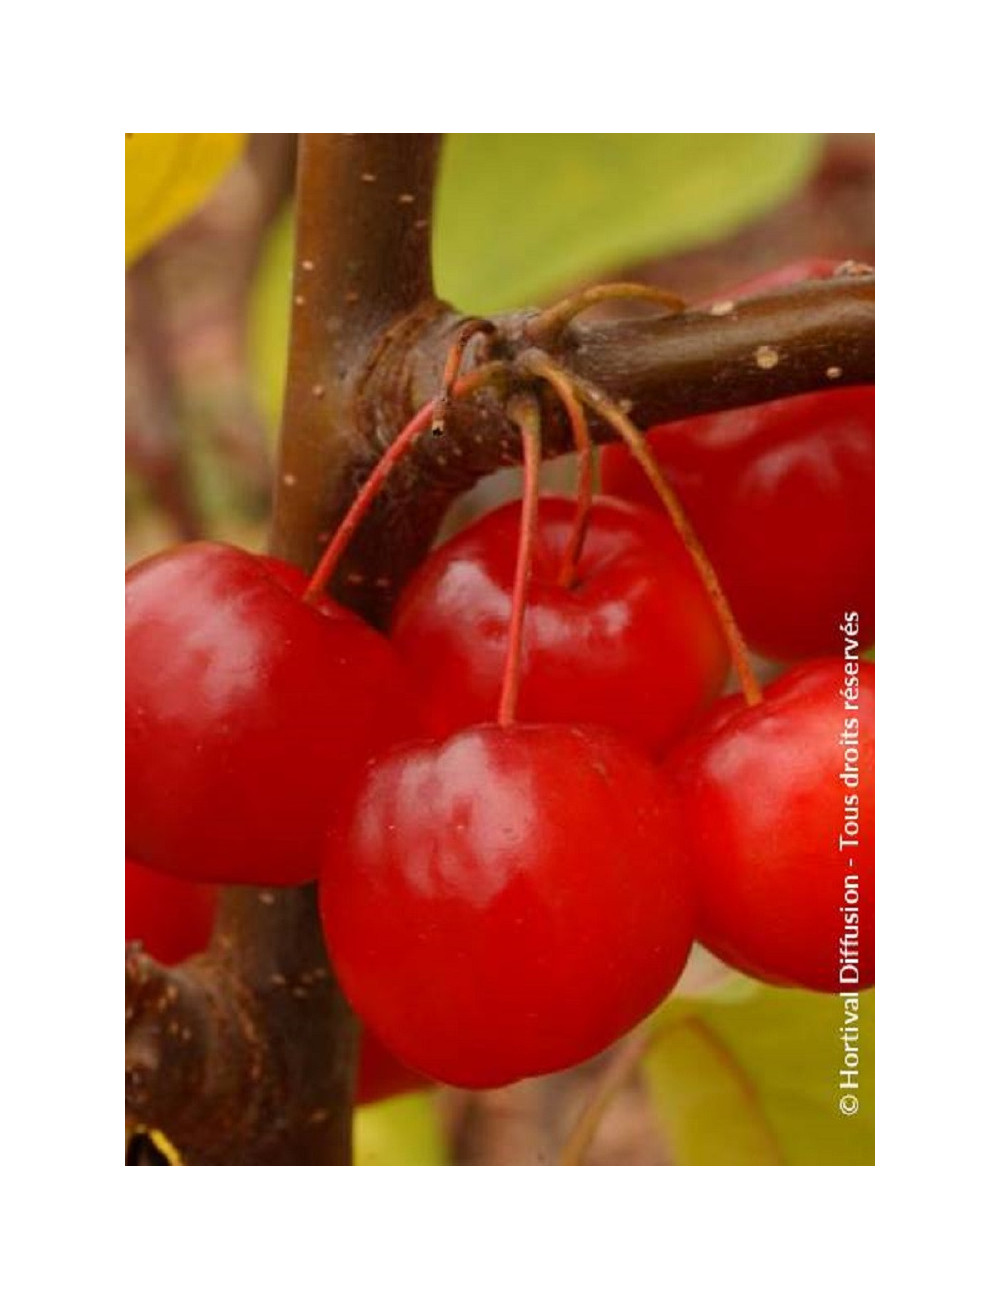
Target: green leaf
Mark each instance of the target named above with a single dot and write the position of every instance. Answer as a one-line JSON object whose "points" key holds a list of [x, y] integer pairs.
{"points": [[270, 317], [166, 178], [751, 1076], [400, 1131], [519, 217]]}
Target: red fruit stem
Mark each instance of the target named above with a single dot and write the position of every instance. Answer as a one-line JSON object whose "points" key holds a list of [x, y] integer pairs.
{"points": [[584, 480], [621, 1063], [452, 364], [523, 410], [605, 407], [349, 525], [548, 326]]}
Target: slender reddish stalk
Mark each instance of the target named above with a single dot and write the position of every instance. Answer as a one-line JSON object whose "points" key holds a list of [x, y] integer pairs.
{"points": [[548, 326], [585, 472], [453, 361], [623, 1061], [401, 446], [607, 409], [523, 410], [584, 500]]}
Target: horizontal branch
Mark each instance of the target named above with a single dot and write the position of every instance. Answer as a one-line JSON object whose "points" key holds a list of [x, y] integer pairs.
{"points": [[816, 335], [813, 336]]}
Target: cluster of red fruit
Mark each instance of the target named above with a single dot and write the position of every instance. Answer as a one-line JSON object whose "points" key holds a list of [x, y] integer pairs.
{"points": [[499, 898]]}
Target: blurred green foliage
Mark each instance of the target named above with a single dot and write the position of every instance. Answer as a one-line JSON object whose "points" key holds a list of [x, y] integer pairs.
{"points": [[519, 217], [750, 1074]]}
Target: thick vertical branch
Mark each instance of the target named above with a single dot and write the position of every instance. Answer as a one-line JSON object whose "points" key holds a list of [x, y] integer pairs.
{"points": [[362, 256], [362, 260]]}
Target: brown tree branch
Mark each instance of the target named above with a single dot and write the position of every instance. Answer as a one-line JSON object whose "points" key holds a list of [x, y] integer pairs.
{"points": [[362, 260], [259, 1066], [831, 216], [811, 336], [244, 1055]]}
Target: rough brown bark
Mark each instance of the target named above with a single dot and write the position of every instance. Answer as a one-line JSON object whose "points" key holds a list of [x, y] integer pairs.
{"points": [[247, 1055]]}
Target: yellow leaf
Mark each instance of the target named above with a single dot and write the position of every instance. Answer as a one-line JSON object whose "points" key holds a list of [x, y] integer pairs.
{"points": [[166, 178], [153, 1142], [400, 1131]]}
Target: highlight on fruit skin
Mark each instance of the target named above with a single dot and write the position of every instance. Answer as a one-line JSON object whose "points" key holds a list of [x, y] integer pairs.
{"points": [[778, 809], [507, 902], [247, 713]]}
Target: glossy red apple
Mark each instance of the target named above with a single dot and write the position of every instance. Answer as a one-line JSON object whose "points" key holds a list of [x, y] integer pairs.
{"points": [[172, 918], [778, 808], [507, 902], [382, 1075], [632, 644], [247, 712], [783, 497]]}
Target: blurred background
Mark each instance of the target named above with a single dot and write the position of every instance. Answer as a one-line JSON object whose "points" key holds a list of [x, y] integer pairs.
{"points": [[741, 1074]]}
